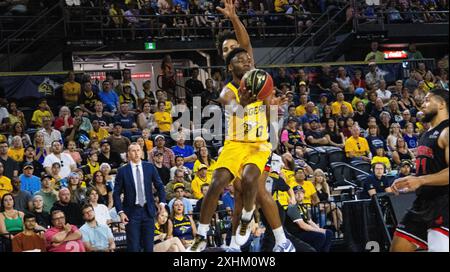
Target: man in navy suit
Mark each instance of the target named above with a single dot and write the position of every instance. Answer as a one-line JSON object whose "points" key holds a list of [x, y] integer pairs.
{"points": [[138, 210]]}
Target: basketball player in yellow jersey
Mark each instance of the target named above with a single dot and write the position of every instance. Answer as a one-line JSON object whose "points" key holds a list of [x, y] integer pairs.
{"points": [[243, 157]]}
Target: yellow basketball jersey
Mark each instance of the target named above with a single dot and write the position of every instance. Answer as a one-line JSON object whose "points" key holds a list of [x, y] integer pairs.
{"points": [[249, 126]]}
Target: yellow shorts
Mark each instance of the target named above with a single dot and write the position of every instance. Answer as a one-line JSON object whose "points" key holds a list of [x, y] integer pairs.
{"points": [[235, 155]]}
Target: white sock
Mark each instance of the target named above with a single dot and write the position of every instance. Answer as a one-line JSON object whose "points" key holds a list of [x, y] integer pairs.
{"points": [[247, 216], [203, 229], [233, 243], [280, 238]]}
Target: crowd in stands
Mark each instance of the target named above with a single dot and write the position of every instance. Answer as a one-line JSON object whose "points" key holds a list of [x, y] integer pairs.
{"points": [[57, 168], [400, 11]]}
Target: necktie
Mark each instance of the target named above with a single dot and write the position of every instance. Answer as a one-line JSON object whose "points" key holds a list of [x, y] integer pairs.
{"points": [[139, 191]]}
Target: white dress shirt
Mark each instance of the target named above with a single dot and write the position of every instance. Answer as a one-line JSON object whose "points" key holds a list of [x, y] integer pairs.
{"points": [[133, 168]]}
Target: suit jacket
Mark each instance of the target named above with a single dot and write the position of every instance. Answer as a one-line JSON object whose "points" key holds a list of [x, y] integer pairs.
{"points": [[125, 184]]}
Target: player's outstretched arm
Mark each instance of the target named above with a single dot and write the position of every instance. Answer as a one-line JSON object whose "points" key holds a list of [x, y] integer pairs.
{"points": [[229, 11]]}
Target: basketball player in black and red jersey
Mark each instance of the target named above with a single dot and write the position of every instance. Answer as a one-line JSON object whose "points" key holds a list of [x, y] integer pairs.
{"points": [[425, 225]]}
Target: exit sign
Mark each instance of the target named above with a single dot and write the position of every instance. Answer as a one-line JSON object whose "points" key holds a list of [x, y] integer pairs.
{"points": [[150, 46]]}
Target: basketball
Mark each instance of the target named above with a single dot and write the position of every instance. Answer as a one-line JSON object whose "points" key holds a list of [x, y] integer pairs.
{"points": [[258, 82]]}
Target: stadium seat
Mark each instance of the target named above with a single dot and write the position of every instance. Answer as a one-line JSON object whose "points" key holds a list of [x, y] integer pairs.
{"points": [[335, 154], [317, 159], [341, 173], [361, 165]]}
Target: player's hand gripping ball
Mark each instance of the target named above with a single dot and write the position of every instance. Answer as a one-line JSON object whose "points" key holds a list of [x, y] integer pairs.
{"points": [[258, 82]]}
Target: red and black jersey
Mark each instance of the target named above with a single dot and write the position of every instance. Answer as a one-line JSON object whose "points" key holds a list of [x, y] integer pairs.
{"points": [[430, 160]]}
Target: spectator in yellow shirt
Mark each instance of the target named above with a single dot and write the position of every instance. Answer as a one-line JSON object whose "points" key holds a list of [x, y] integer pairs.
{"points": [[71, 90], [17, 151], [43, 110], [311, 196], [203, 157], [280, 5], [301, 109], [5, 182], [337, 105], [381, 158], [375, 54], [201, 178], [98, 132], [163, 119], [357, 148]]}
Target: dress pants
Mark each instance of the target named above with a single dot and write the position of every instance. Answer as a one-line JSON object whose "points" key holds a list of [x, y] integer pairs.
{"points": [[140, 230]]}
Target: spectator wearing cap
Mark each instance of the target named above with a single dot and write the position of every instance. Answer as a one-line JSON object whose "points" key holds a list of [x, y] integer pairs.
{"points": [[405, 169], [186, 151], [29, 182], [50, 134], [113, 159], [310, 114], [356, 147], [88, 98], [71, 210], [374, 76], [119, 144], [337, 105], [377, 182], [179, 194], [360, 95], [301, 76], [314, 136], [28, 239], [200, 178], [163, 118], [48, 194], [43, 110], [375, 54], [344, 81], [299, 224], [168, 155], [164, 172], [383, 93], [22, 199], [65, 160]]}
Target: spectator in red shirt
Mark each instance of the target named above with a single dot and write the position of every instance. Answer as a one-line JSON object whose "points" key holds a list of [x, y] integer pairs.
{"points": [[63, 237], [64, 120]]}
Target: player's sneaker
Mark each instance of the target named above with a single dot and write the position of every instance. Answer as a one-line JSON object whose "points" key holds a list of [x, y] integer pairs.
{"points": [[285, 247], [243, 232], [199, 244]]}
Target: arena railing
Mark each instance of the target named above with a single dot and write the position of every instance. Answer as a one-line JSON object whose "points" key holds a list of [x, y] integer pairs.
{"points": [[94, 21]]}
